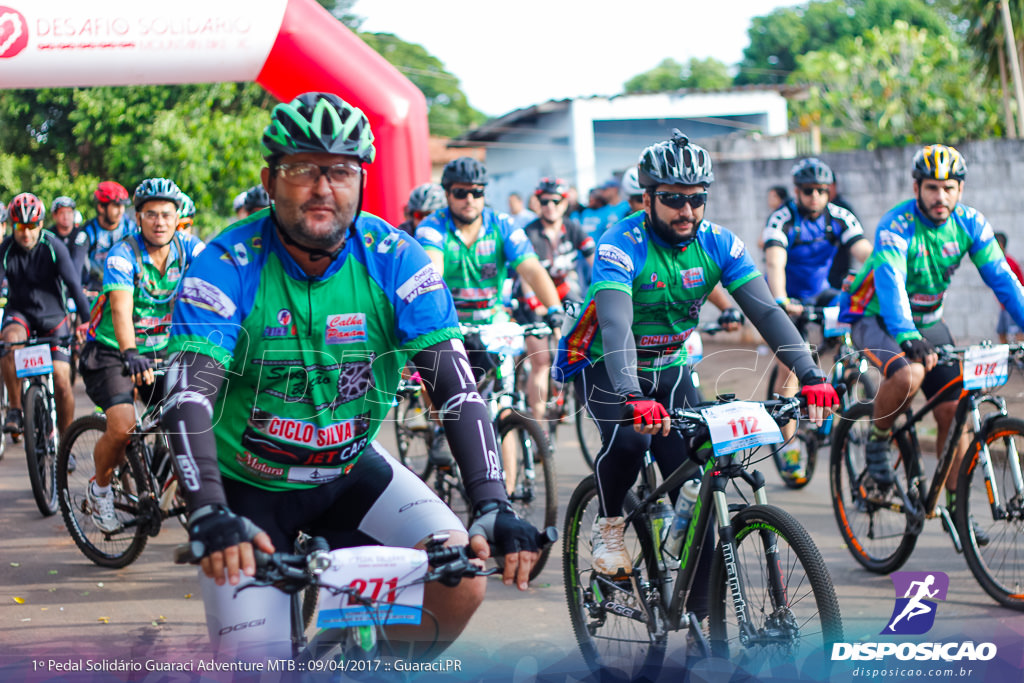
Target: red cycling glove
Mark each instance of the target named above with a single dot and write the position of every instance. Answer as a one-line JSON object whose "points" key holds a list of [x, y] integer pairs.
{"points": [[644, 411], [823, 395]]}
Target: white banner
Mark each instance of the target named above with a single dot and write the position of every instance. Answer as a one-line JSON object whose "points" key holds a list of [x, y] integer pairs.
{"points": [[62, 43]]}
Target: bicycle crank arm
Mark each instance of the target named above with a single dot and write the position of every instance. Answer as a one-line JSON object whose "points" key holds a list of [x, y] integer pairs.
{"points": [[947, 519]]}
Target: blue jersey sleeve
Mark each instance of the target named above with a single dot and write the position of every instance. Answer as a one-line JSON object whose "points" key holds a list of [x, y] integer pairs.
{"points": [[119, 268], [730, 253], [892, 242], [988, 258], [424, 309], [621, 254], [430, 231]]}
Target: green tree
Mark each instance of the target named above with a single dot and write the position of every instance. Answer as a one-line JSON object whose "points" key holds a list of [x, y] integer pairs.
{"points": [[779, 38], [448, 111], [670, 75], [895, 86]]}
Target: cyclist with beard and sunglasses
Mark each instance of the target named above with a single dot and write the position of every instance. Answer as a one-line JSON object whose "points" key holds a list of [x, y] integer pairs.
{"points": [[129, 327], [289, 337], [653, 272], [808, 244], [895, 302]]}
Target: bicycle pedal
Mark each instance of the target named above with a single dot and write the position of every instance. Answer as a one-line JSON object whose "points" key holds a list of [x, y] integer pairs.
{"points": [[167, 497]]}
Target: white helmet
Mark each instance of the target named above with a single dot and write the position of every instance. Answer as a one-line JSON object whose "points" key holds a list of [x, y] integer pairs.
{"points": [[631, 182]]}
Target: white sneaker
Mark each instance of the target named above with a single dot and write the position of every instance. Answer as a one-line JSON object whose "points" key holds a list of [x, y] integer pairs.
{"points": [[103, 515], [610, 556]]}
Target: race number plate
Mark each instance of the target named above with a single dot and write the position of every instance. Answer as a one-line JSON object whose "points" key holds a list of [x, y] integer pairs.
{"points": [[503, 338], [986, 366], [834, 328], [694, 348], [741, 424], [382, 576], [33, 360]]}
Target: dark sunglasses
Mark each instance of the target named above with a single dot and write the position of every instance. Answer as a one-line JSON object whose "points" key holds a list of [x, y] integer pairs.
{"points": [[462, 193], [545, 202], [808, 191], [677, 200]]}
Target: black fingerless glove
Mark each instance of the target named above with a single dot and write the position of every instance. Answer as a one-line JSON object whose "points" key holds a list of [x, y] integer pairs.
{"points": [[917, 349], [503, 529], [554, 318], [214, 527], [134, 362], [730, 315]]}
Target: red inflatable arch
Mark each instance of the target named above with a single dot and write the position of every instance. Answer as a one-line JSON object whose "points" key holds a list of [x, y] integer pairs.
{"points": [[287, 46]]}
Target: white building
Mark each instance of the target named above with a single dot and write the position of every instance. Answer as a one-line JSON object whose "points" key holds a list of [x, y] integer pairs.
{"points": [[590, 140]]}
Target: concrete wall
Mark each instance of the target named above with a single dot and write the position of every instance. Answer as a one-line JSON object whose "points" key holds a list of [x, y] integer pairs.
{"points": [[873, 181]]}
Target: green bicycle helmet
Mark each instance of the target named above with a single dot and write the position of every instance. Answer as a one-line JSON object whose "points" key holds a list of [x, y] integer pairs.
{"points": [[187, 208], [318, 122]]}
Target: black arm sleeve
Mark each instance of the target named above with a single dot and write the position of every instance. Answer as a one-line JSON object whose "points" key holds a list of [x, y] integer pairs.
{"points": [[615, 316], [777, 328], [449, 382], [193, 382], [72, 278]]}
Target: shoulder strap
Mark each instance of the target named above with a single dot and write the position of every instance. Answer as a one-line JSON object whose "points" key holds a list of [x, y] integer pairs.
{"points": [[134, 244]]}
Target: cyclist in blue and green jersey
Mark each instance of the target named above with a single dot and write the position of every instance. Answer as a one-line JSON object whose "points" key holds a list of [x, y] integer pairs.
{"points": [[290, 334], [129, 327], [653, 272], [107, 228], [895, 302]]}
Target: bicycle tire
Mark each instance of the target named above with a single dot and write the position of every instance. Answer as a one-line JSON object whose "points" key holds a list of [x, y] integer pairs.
{"points": [[413, 434], [809, 620], [861, 387], [535, 494], [39, 449], [588, 434], [773, 377], [4, 405], [879, 537], [998, 566], [118, 549], [613, 646]]}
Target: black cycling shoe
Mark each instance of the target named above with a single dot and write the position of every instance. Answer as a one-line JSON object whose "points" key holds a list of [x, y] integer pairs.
{"points": [[876, 453], [438, 453], [980, 535], [14, 423]]}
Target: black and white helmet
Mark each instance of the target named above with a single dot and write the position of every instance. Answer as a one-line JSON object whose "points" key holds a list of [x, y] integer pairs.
{"points": [[426, 198], [812, 171], [675, 162]]}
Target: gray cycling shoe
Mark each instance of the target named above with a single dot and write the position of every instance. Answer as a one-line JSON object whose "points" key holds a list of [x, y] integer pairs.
{"points": [[879, 469]]}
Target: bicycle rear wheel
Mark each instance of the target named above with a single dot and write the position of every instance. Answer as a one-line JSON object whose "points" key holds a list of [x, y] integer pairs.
{"points": [[413, 432], [534, 496], [40, 448], [75, 472], [878, 533], [4, 405], [791, 605], [998, 565], [588, 434], [608, 617]]}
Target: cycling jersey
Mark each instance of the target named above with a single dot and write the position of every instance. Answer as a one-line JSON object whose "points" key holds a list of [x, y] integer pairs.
{"points": [[475, 273], [812, 246], [668, 286], [131, 269], [76, 241], [312, 363], [559, 259], [99, 242], [37, 280], [906, 278]]}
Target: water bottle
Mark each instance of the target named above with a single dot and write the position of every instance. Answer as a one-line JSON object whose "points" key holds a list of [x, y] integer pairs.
{"points": [[660, 514], [688, 495]]}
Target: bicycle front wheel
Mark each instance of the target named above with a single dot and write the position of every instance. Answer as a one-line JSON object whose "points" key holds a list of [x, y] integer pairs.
{"points": [[998, 565], [40, 448], [75, 472], [535, 492], [4, 405], [609, 618], [877, 532], [787, 593], [413, 433]]}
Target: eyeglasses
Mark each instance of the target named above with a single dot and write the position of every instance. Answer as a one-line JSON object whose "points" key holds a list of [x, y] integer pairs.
{"points": [[545, 202], [307, 174], [27, 226], [462, 193], [677, 200], [808, 191], [159, 215]]}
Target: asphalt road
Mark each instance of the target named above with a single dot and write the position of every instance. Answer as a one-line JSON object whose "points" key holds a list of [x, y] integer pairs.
{"points": [[56, 607]]}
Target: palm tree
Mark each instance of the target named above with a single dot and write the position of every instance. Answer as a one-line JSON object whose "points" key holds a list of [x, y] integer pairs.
{"points": [[987, 37]]}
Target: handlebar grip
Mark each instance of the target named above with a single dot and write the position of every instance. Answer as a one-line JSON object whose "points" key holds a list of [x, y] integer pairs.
{"points": [[547, 536], [188, 553]]}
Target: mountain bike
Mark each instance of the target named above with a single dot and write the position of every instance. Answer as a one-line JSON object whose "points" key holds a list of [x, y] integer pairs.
{"points": [[881, 525], [34, 367], [144, 486], [850, 368], [414, 431], [587, 431], [534, 492], [771, 596]]}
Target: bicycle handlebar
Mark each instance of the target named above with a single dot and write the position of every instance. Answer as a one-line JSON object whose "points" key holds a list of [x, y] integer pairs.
{"points": [[65, 340]]}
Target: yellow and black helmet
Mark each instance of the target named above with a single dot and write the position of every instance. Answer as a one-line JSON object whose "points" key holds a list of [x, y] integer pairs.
{"points": [[939, 162]]}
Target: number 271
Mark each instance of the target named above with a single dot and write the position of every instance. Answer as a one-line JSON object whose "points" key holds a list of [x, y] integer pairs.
{"points": [[361, 585]]}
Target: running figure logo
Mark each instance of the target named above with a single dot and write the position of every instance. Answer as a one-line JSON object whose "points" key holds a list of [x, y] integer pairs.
{"points": [[914, 612]]}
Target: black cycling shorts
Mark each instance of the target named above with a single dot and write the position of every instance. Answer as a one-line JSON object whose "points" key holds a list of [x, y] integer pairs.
{"points": [[106, 383], [870, 335], [41, 328]]}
